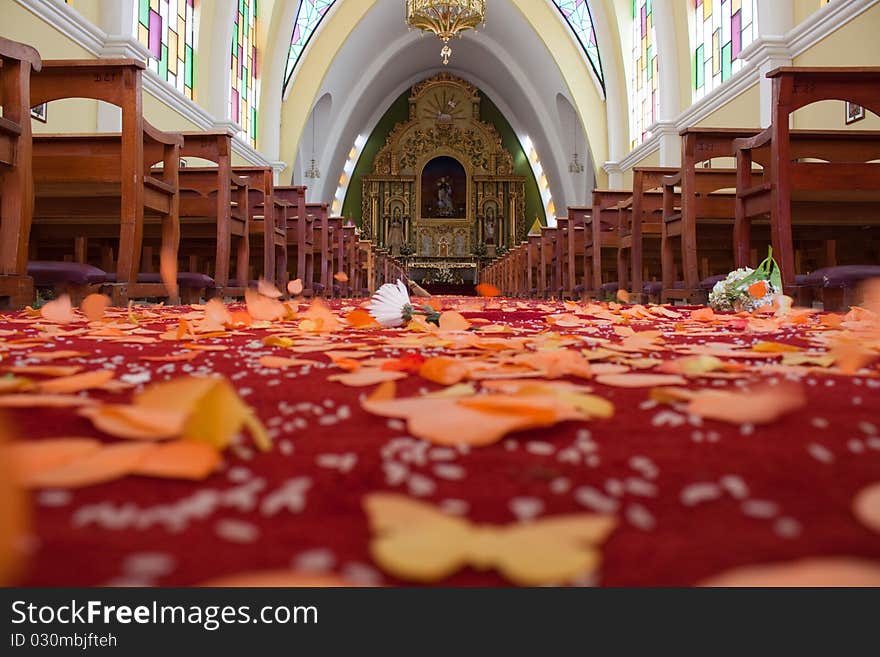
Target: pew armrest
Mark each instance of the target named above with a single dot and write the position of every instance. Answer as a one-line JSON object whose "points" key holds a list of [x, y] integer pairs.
{"points": [[152, 133], [748, 143], [13, 50]]}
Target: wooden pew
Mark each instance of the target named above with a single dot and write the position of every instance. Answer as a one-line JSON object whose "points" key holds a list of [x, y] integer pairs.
{"points": [[640, 220], [267, 224], [701, 201], [101, 186], [547, 277], [320, 278], [533, 264], [300, 232], [214, 211], [600, 236], [839, 191], [573, 249], [17, 61]]}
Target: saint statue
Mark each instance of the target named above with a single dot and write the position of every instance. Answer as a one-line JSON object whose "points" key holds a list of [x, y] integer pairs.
{"points": [[489, 225], [444, 197], [395, 233], [427, 245], [459, 244]]}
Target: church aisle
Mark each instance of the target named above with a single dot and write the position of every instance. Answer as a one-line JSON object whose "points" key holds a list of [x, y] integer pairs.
{"points": [[703, 442]]}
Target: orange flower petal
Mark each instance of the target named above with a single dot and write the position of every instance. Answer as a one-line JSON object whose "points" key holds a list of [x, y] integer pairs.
{"points": [[168, 271], [105, 464], [367, 376], [762, 405], [453, 321], [45, 370], [77, 382], [866, 506], [136, 422], [263, 308], [58, 354], [94, 306], [360, 318], [820, 571], [59, 310], [179, 459], [758, 289], [443, 370], [47, 401], [340, 276], [295, 287], [639, 380], [487, 290], [268, 289], [703, 315], [281, 362], [31, 458]]}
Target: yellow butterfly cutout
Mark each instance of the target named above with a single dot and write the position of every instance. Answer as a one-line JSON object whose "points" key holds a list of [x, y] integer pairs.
{"points": [[414, 541]]}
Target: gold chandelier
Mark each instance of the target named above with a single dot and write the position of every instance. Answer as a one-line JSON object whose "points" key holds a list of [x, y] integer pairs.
{"points": [[445, 18]]}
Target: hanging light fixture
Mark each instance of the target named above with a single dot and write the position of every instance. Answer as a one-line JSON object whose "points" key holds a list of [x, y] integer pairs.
{"points": [[313, 171], [445, 18], [575, 166]]}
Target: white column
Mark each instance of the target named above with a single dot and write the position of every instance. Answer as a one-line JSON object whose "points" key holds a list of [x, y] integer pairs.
{"points": [[213, 83], [117, 19], [770, 50], [274, 64], [615, 175], [669, 67]]}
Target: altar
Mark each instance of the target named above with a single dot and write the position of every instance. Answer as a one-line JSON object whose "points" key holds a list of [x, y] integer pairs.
{"points": [[442, 192], [442, 271]]}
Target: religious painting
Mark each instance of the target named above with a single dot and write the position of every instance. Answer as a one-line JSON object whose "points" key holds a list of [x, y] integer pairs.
{"points": [[444, 189], [38, 112], [854, 112]]}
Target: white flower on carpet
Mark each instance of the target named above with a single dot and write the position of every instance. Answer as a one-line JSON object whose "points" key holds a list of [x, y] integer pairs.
{"points": [[390, 305]]}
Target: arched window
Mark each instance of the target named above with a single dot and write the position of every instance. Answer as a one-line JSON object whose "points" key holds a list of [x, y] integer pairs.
{"points": [[644, 78], [168, 30], [577, 15], [721, 29], [308, 18], [245, 95]]}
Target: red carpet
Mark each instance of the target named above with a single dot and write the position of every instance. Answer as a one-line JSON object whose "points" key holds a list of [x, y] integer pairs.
{"points": [[693, 498]]}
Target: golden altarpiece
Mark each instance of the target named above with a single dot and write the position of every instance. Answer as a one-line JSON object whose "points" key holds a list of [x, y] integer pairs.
{"points": [[442, 188]]}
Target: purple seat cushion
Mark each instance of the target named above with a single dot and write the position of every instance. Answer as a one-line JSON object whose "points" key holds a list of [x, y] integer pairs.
{"points": [[187, 279], [653, 288], [842, 276], [609, 287], [709, 283], [48, 273], [578, 289]]}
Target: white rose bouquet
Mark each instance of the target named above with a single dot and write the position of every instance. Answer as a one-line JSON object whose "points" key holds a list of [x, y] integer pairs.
{"points": [[748, 289]]}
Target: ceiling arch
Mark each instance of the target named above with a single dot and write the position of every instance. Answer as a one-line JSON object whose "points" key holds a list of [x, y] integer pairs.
{"points": [[511, 60]]}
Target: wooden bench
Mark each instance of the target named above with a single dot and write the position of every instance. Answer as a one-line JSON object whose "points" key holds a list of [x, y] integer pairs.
{"points": [[17, 62], [640, 220], [267, 224], [320, 276], [300, 232], [812, 178], [214, 212], [601, 241], [702, 204], [102, 186]]}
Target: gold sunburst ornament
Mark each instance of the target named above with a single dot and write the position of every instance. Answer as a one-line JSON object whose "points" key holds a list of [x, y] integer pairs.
{"points": [[445, 18]]}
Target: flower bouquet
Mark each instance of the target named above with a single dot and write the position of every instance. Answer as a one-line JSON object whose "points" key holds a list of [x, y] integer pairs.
{"points": [[748, 289]]}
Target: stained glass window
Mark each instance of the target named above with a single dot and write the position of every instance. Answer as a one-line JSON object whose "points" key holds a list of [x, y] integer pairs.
{"points": [[307, 20], [577, 15], [245, 96], [722, 28], [644, 94], [168, 29]]}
